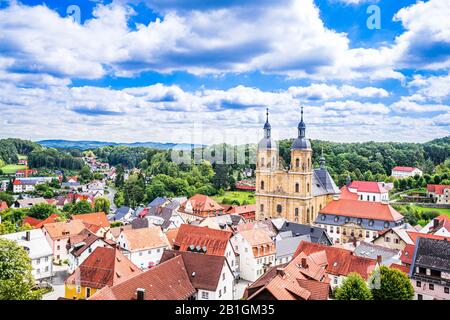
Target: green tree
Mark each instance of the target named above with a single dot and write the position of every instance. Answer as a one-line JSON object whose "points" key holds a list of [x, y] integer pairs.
{"points": [[7, 227], [353, 288], [102, 204], [16, 280], [86, 174], [119, 199], [9, 199], [81, 207], [41, 211], [393, 285]]}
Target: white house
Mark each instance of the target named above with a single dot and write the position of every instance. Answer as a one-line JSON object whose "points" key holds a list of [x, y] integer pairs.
{"points": [[144, 247], [39, 251], [256, 252], [405, 172], [440, 193], [369, 191], [58, 234], [439, 226], [81, 247]]}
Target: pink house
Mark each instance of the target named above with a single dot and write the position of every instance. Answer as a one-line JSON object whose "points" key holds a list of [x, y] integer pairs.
{"points": [[58, 234]]}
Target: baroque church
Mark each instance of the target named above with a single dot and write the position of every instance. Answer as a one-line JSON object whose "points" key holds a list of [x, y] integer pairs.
{"points": [[296, 192]]}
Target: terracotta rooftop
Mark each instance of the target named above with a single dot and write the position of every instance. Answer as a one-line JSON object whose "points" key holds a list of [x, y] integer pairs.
{"points": [[204, 271], [362, 209], [166, 281], [437, 188], [414, 235], [201, 205], [256, 237], [96, 218], [51, 219], [145, 238], [405, 169], [103, 267], [214, 240], [61, 230], [171, 235], [346, 194], [33, 222], [300, 279], [367, 186], [339, 261]]}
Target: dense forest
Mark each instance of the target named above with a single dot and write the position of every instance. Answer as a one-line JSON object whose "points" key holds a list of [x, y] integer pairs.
{"points": [[38, 156]]}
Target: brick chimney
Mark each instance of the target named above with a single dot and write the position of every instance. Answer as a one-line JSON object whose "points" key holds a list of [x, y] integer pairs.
{"points": [[28, 235], [140, 294], [304, 264]]}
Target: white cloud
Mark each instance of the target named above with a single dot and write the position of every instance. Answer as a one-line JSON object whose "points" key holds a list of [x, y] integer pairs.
{"points": [[322, 91], [434, 87]]}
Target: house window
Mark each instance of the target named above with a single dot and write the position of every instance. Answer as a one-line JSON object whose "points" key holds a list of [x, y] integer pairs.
{"points": [[419, 297], [223, 276], [46, 269], [367, 234], [447, 290], [58, 247], [262, 185], [297, 187], [140, 253], [261, 208], [38, 261], [224, 289], [78, 289], [373, 198], [331, 229], [38, 271], [158, 251], [396, 240], [388, 239], [205, 295], [335, 280], [297, 163], [418, 284], [368, 198], [88, 292], [431, 286], [296, 212], [307, 187], [149, 252], [279, 208], [46, 259]]}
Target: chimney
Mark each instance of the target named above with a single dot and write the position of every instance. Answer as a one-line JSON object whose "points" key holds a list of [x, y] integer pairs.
{"points": [[140, 294], [28, 235], [379, 259], [435, 223], [304, 264], [280, 271]]}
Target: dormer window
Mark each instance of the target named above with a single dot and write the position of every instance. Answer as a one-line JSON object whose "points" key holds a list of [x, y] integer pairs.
{"points": [[336, 219], [323, 217], [371, 222], [359, 221], [386, 224], [347, 219]]}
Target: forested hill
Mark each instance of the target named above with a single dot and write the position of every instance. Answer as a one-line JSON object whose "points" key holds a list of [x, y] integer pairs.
{"points": [[88, 145]]}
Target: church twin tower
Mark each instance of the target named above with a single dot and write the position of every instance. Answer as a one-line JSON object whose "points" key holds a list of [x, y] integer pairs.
{"points": [[295, 193]]}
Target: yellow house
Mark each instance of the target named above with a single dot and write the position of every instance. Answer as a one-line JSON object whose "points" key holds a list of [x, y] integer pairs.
{"points": [[295, 192], [103, 267]]}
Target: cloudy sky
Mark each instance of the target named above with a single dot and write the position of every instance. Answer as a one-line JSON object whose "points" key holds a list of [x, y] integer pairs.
{"points": [[204, 71]]}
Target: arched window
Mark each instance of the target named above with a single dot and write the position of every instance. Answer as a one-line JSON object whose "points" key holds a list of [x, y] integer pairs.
{"points": [[262, 185], [297, 163], [307, 187], [279, 208], [262, 162], [296, 212], [261, 207], [297, 187], [309, 164], [273, 161]]}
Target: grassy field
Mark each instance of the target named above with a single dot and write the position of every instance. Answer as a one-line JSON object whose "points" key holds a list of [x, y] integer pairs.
{"points": [[237, 195], [12, 168], [440, 210]]}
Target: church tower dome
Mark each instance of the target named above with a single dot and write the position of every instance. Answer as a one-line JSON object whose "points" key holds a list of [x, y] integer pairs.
{"points": [[301, 143], [267, 142]]}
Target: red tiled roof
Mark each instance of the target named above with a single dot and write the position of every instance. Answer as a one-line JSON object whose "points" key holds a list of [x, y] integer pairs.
{"points": [[201, 205], [17, 182], [214, 240], [407, 254], [362, 209], [51, 219], [437, 188], [3, 205], [33, 222], [166, 281], [103, 267], [62, 230], [339, 261], [346, 194], [414, 235], [367, 186], [403, 268], [242, 210], [96, 218], [405, 169], [444, 222]]}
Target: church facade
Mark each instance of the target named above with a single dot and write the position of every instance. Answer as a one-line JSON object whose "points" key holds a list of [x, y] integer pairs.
{"points": [[297, 192]]}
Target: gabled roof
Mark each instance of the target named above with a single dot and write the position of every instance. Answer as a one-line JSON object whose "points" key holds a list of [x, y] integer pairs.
{"points": [[316, 234], [204, 271], [264, 224], [300, 279], [214, 240], [166, 281], [407, 254], [86, 243], [96, 218], [437, 188], [415, 235], [51, 219], [61, 230], [256, 237], [405, 169], [367, 186], [432, 254], [115, 232], [340, 262], [103, 267], [346, 194], [362, 209], [33, 222], [202, 203], [145, 238]]}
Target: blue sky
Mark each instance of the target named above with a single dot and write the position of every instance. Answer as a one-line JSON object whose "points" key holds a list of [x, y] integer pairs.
{"points": [[204, 71]]}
